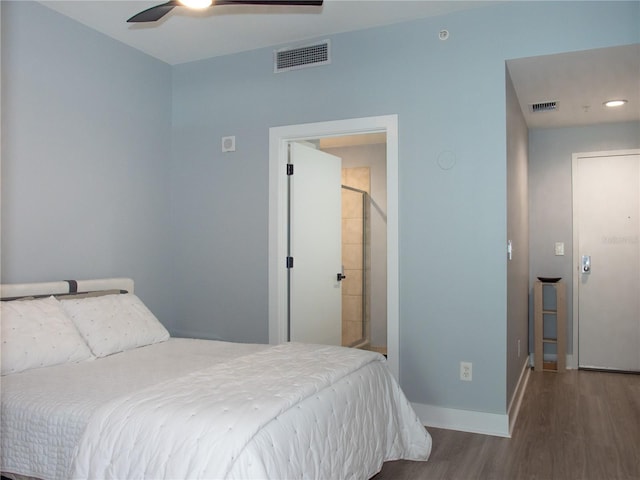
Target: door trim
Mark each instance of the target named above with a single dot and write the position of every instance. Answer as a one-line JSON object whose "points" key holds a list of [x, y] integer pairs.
{"points": [[573, 361], [279, 137]]}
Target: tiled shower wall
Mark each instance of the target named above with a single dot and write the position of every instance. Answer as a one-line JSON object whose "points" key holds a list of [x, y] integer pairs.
{"points": [[353, 330]]}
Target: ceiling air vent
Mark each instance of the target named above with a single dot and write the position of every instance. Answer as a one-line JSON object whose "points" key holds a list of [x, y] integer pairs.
{"points": [[543, 107], [289, 58]]}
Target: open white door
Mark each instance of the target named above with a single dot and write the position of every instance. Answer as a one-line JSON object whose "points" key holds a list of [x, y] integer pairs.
{"points": [[607, 206], [315, 230]]}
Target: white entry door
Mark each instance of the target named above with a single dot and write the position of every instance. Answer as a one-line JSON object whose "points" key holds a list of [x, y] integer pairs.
{"points": [[607, 206], [315, 244]]}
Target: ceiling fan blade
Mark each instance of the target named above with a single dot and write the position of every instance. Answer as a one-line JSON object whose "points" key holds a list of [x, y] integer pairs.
{"points": [[153, 14], [311, 3]]}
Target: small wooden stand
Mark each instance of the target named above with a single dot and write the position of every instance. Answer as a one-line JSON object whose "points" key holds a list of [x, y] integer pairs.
{"points": [[560, 316]]}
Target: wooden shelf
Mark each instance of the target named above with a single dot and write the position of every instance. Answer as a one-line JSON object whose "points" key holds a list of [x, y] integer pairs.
{"points": [[559, 314]]}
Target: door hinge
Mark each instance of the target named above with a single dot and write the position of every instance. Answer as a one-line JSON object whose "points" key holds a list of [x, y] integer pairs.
{"points": [[289, 168], [289, 262]]}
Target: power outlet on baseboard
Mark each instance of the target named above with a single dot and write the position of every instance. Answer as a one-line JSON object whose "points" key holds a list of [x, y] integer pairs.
{"points": [[466, 371]]}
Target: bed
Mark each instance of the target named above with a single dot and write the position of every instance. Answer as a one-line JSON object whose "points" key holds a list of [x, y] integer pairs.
{"points": [[93, 386]]}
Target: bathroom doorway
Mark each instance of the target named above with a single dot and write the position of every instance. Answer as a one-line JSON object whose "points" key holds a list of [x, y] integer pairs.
{"points": [[337, 228], [364, 238], [280, 137]]}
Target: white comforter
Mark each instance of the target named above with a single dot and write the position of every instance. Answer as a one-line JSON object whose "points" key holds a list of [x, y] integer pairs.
{"points": [[45, 411], [343, 430], [202, 426]]}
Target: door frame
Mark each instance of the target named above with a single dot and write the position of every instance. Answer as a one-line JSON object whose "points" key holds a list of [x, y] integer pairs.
{"points": [[279, 137], [574, 360]]}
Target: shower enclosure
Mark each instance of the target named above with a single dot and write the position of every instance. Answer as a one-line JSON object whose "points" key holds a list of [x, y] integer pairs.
{"points": [[356, 248]]}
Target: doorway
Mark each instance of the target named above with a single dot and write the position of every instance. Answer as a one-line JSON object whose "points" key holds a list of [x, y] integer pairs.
{"points": [[337, 241], [606, 196], [280, 137], [364, 238]]}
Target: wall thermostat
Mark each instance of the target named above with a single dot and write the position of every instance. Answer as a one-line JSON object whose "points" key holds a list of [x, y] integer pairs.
{"points": [[229, 144]]}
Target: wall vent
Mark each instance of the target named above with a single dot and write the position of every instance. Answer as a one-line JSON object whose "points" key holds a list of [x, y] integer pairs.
{"points": [[543, 107], [295, 58]]}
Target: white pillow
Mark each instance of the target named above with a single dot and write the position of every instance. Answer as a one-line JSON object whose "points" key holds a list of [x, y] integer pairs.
{"points": [[38, 333], [114, 323]]}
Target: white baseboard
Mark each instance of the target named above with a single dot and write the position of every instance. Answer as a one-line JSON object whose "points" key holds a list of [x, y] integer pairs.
{"points": [[518, 395], [463, 420], [498, 425]]}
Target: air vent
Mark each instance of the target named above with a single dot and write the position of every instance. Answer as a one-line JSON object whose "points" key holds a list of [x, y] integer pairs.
{"points": [[289, 58], [543, 107]]}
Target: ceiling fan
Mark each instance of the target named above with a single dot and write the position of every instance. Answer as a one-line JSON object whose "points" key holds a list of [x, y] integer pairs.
{"points": [[154, 14]]}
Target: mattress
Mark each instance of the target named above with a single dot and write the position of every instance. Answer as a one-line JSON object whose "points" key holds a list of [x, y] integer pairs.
{"points": [[344, 428]]}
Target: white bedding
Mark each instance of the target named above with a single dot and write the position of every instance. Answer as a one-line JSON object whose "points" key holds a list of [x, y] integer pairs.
{"points": [[316, 425], [45, 411]]}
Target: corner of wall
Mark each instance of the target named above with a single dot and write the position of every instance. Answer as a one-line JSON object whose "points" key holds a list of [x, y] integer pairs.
{"points": [[485, 423], [516, 400]]}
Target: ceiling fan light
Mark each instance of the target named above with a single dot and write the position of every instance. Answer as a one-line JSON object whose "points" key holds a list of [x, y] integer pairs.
{"points": [[196, 4], [614, 103]]}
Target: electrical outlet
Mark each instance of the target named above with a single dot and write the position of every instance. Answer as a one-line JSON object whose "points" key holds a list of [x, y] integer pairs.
{"points": [[466, 372]]}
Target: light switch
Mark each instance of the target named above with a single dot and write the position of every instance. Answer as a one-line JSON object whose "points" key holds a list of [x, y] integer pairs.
{"points": [[559, 248]]}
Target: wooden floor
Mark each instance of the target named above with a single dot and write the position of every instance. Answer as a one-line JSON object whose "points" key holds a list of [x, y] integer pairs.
{"points": [[578, 425]]}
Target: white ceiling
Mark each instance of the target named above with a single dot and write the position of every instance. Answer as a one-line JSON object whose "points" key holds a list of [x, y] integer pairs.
{"points": [[580, 82], [186, 35], [575, 80]]}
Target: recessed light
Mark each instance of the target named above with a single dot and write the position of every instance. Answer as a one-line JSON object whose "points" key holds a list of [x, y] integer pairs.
{"points": [[615, 103]]}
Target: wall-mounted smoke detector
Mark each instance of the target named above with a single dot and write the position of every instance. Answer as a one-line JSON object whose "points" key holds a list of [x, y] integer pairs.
{"points": [[550, 106], [294, 58]]}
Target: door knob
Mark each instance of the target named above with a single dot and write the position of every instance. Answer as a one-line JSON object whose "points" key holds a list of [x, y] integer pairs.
{"points": [[341, 277]]}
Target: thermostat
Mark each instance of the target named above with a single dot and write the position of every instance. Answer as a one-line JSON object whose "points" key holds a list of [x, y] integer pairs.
{"points": [[229, 144]]}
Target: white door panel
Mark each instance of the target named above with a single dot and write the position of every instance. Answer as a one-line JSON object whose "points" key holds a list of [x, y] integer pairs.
{"points": [[607, 199], [315, 297]]}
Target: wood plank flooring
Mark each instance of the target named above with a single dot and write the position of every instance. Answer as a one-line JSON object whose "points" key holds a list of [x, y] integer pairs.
{"points": [[576, 425]]}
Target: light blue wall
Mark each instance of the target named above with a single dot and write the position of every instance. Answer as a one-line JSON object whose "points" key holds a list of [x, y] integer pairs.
{"points": [[453, 223], [85, 155]]}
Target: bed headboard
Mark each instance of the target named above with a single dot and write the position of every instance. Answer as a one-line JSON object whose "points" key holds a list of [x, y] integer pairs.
{"points": [[16, 290]]}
